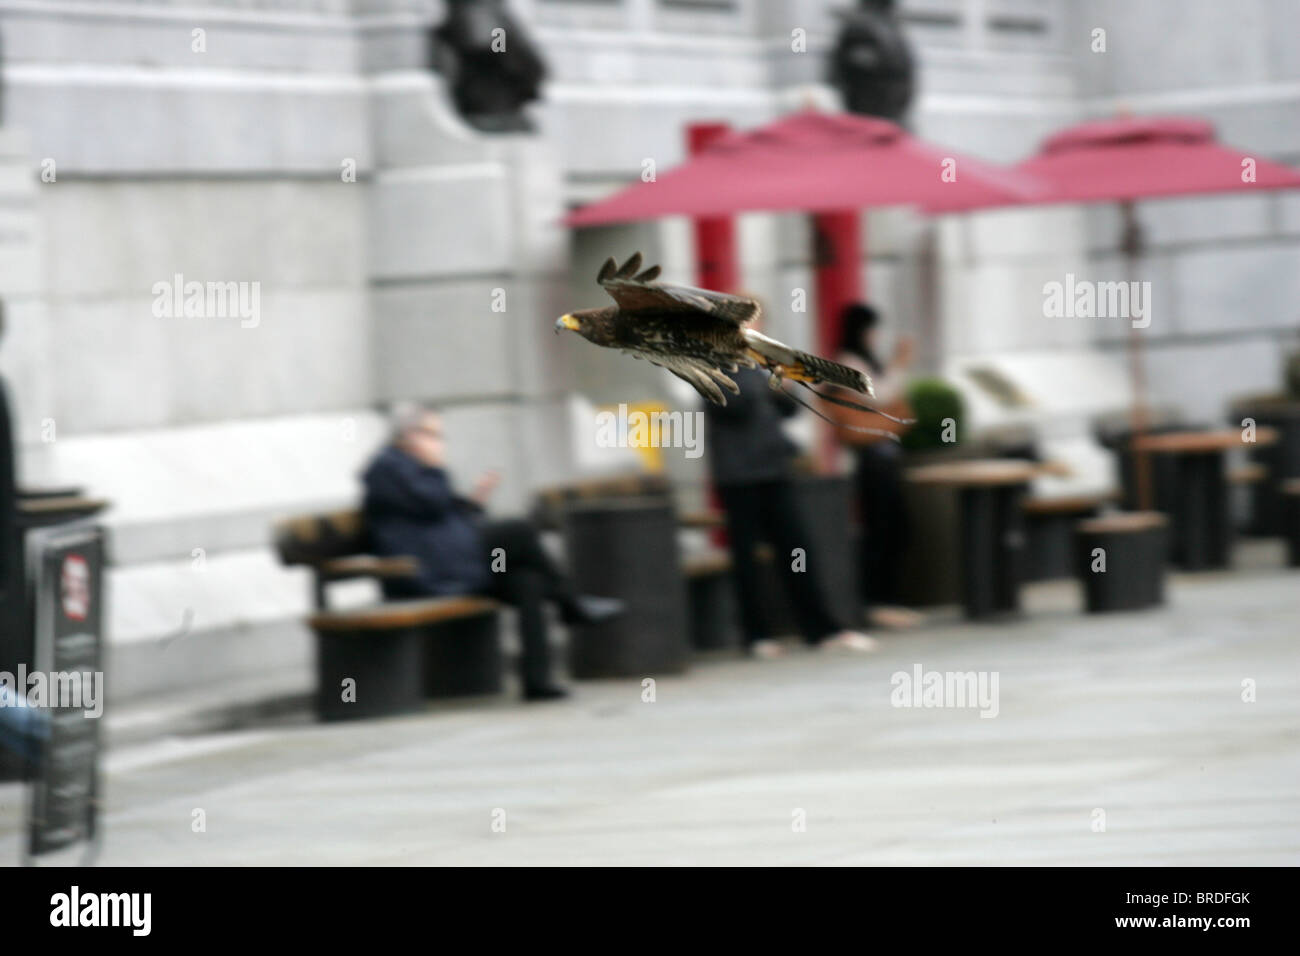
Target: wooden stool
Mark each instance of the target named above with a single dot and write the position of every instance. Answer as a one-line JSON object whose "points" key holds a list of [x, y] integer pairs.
{"points": [[1050, 525], [1133, 546]]}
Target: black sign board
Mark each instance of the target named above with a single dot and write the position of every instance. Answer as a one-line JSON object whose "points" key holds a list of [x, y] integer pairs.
{"points": [[69, 616]]}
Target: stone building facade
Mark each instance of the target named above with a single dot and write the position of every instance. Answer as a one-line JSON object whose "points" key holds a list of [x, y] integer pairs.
{"points": [[301, 148]]}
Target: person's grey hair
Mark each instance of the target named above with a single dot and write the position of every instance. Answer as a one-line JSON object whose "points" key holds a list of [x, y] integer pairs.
{"points": [[407, 416]]}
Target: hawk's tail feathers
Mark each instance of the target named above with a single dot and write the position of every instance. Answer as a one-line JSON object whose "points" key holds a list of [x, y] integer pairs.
{"points": [[805, 367]]}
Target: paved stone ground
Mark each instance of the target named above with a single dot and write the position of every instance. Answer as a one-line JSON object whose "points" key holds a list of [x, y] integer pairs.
{"points": [[1139, 715]]}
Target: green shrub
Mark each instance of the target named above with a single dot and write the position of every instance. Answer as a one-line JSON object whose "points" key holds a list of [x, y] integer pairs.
{"points": [[933, 400]]}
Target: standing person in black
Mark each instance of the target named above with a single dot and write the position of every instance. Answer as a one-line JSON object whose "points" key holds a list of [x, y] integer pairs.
{"points": [[750, 460], [411, 509], [878, 469]]}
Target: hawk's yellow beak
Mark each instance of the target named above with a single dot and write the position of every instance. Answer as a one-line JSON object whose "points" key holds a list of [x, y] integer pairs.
{"points": [[566, 322]]}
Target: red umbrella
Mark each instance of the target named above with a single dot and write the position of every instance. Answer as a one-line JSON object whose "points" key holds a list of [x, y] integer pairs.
{"points": [[823, 163], [811, 162], [1130, 158]]}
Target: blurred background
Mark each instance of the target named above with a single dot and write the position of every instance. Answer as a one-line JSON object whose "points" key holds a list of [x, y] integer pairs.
{"points": [[398, 203]]}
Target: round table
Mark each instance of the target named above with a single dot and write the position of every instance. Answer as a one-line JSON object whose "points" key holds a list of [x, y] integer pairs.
{"points": [[1281, 458], [990, 493], [1193, 491]]}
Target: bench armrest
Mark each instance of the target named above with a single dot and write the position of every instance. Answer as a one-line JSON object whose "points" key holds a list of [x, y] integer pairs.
{"points": [[368, 566]]}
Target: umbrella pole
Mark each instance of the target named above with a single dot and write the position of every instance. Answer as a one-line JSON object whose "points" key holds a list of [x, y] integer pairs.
{"points": [[715, 236], [1132, 247], [837, 261]]}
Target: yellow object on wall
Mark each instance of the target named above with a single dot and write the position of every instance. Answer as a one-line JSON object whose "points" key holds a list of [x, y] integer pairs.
{"points": [[646, 441]]}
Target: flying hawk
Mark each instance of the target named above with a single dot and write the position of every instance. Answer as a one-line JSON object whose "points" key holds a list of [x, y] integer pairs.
{"points": [[700, 336]]}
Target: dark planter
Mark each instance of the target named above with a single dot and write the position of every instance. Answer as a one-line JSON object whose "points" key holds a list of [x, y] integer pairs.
{"points": [[627, 548], [932, 563], [712, 612], [386, 666], [1135, 547], [462, 658]]}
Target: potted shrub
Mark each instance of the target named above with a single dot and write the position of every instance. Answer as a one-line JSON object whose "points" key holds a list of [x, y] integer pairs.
{"points": [[930, 570]]}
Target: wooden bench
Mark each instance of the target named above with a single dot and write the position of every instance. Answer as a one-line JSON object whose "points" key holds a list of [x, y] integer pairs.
{"points": [[1132, 545], [386, 658]]}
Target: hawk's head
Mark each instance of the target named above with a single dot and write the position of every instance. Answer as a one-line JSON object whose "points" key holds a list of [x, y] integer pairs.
{"points": [[594, 325]]}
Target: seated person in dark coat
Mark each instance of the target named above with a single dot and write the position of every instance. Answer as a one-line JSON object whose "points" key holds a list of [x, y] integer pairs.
{"points": [[750, 460], [412, 509]]}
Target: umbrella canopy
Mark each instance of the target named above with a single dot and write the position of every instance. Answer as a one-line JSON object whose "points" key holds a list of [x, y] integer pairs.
{"points": [[1130, 158], [1133, 158], [813, 162]]}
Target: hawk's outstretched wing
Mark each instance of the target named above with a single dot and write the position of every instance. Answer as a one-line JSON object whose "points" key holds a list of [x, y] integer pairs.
{"points": [[636, 293]]}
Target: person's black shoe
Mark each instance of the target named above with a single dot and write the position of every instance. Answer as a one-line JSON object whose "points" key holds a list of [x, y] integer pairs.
{"points": [[545, 693], [586, 609]]}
